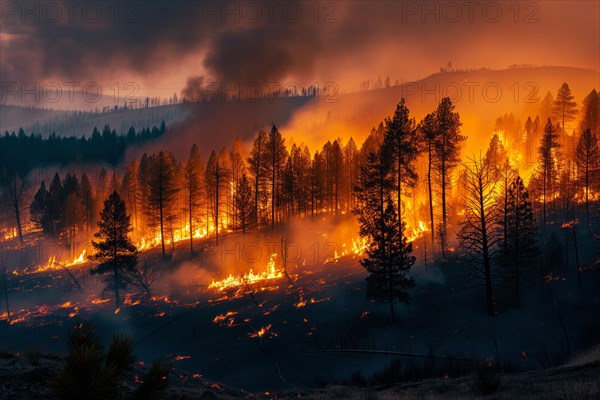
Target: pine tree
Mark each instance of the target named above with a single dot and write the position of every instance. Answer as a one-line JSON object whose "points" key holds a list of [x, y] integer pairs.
{"points": [[401, 147], [590, 113], [429, 132], [88, 201], [546, 106], [388, 253], [529, 140], [352, 169], [520, 249], [238, 167], [337, 164], [55, 209], [244, 205], [495, 157], [258, 171], [564, 108], [115, 253], [192, 185], [588, 164], [162, 190], [217, 178], [446, 153], [548, 163], [38, 212], [276, 156]]}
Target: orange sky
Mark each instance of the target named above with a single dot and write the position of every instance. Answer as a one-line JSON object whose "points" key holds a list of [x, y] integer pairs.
{"points": [[160, 44]]}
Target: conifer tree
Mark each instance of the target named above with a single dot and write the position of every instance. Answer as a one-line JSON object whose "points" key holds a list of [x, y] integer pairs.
{"points": [[244, 205], [520, 249], [114, 252], [388, 252], [564, 108]]}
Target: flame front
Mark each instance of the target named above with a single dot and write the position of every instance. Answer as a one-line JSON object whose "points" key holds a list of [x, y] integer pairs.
{"points": [[249, 278]]}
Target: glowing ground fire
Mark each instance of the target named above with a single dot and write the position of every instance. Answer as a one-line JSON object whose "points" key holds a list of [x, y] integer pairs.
{"points": [[271, 273]]}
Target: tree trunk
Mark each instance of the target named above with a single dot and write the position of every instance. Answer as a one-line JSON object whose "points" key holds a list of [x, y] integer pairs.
{"points": [[486, 255], [273, 195], [162, 236], [117, 300], [430, 196], [191, 224]]}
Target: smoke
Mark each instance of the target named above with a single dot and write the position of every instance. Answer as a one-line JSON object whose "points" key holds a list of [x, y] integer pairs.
{"points": [[263, 54], [161, 43]]}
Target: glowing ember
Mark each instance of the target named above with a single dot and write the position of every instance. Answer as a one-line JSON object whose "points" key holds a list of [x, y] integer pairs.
{"points": [[222, 317], [262, 332], [249, 278]]}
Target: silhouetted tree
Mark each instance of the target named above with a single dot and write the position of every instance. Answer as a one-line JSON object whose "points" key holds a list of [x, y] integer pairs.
{"points": [[564, 108], [428, 127], [115, 253], [17, 192], [258, 170], [520, 248], [216, 178], [478, 234], [88, 201], [276, 156], [388, 253], [548, 163], [55, 209], [590, 113], [588, 164], [162, 189], [446, 152], [401, 147], [244, 205], [495, 157], [192, 185], [38, 210]]}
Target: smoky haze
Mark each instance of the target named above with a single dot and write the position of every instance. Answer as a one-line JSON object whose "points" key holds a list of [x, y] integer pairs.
{"points": [[160, 44]]}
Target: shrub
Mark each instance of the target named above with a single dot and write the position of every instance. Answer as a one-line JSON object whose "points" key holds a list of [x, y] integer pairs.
{"points": [[485, 379]]}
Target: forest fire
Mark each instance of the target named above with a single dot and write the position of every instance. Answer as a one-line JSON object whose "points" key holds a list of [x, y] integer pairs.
{"points": [[250, 278]]}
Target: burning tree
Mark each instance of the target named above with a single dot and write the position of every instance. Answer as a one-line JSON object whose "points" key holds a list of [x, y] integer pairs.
{"points": [[17, 192], [478, 233], [276, 156], [258, 171], [192, 184], [217, 177], [162, 190], [388, 252], [243, 204], [588, 165], [547, 172], [116, 254]]}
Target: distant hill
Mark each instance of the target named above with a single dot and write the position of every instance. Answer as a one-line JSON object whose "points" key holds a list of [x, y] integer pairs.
{"points": [[480, 96], [78, 123]]}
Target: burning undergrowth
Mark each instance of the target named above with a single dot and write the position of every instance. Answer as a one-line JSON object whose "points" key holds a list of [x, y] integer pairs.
{"points": [[241, 266]]}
